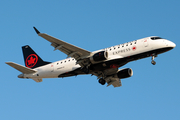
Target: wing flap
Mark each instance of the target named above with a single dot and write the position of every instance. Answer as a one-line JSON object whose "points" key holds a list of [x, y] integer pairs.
{"points": [[116, 82], [21, 68]]}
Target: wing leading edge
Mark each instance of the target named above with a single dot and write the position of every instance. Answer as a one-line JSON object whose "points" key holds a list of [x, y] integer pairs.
{"points": [[69, 49]]}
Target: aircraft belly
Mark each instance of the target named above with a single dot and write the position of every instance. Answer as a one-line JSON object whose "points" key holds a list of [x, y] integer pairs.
{"points": [[64, 70], [122, 61]]}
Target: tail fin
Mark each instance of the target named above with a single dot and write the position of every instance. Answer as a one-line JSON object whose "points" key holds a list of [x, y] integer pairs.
{"points": [[31, 59]]}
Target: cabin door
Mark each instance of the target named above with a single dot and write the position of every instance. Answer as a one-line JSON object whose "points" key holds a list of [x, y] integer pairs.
{"points": [[145, 42]]}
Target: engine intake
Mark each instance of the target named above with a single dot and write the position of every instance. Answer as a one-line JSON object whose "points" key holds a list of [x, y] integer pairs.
{"points": [[125, 73], [100, 56]]}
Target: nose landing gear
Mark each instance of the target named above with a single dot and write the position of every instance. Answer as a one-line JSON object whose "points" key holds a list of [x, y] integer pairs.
{"points": [[153, 62], [153, 57]]}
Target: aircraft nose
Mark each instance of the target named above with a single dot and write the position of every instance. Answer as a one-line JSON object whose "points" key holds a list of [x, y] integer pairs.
{"points": [[170, 44]]}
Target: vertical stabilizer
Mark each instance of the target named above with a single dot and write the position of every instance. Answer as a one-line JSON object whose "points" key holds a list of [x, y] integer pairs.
{"points": [[31, 59]]}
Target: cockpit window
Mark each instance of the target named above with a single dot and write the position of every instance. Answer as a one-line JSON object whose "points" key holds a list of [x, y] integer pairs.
{"points": [[155, 38]]}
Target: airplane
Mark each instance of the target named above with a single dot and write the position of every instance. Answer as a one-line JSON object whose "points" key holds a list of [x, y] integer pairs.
{"points": [[104, 63]]}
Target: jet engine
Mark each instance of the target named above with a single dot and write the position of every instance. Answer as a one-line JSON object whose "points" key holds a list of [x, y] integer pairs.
{"points": [[124, 73], [100, 56]]}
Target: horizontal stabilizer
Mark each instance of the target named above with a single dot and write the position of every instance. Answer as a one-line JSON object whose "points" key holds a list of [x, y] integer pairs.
{"points": [[21, 68]]}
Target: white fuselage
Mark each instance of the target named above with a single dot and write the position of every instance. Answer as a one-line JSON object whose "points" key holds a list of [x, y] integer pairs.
{"points": [[53, 70]]}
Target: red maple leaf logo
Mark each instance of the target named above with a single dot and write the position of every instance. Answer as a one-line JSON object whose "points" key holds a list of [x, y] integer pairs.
{"points": [[31, 60], [134, 48], [114, 66]]}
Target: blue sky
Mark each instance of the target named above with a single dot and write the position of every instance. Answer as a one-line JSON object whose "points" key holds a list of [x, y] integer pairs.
{"points": [[151, 93]]}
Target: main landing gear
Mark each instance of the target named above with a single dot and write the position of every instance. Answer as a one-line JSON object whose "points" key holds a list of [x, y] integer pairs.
{"points": [[85, 70], [102, 81], [153, 57]]}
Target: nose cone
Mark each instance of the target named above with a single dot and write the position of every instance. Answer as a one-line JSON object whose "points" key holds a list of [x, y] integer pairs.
{"points": [[171, 44]]}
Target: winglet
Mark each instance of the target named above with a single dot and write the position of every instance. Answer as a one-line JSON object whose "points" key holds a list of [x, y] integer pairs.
{"points": [[37, 31]]}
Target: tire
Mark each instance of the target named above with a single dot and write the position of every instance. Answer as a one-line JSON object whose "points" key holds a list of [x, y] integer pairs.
{"points": [[102, 81]]}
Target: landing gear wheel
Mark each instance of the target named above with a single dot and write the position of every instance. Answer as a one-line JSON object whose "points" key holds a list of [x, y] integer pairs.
{"points": [[153, 57], [153, 62], [102, 81]]}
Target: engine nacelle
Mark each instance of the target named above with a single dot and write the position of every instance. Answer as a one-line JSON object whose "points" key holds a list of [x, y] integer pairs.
{"points": [[124, 73], [100, 56]]}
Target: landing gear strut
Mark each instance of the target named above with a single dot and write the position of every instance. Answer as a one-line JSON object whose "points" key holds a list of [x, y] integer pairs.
{"points": [[153, 57], [85, 70], [102, 81]]}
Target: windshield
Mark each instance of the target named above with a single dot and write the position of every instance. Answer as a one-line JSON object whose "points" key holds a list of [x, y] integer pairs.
{"points": [[155, 38]]}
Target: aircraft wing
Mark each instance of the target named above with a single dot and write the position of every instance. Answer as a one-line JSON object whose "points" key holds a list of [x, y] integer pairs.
{"points": [[68, 49]]}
